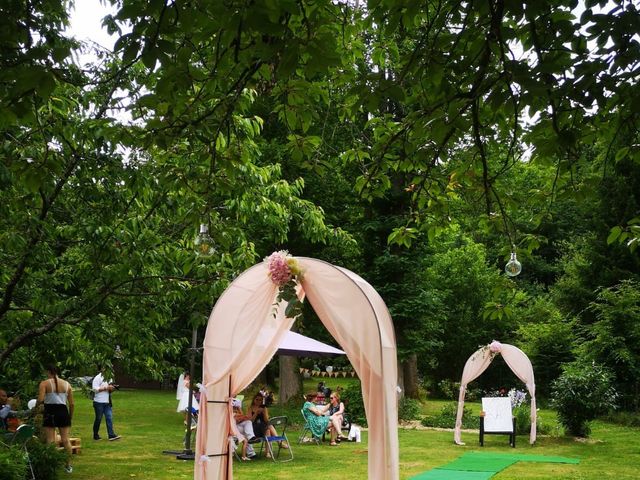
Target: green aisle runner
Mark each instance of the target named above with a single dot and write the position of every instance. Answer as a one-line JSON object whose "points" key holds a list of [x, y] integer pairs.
{"points": [[482, 466]]}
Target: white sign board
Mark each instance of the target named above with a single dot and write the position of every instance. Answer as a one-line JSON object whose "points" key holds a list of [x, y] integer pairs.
{"points": [[497, 414]]}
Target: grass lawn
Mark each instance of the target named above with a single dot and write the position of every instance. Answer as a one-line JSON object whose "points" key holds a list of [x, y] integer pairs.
{"points": [[149, 424]]}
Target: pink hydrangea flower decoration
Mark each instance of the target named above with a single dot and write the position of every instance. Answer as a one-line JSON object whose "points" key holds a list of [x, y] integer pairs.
{"points": [[495, 347], [282, 267], [279, 270], [285, 272]]}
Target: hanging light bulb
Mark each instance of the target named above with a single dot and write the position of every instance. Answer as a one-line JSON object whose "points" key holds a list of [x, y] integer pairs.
{"points": [[513, 266], [204, 242]]}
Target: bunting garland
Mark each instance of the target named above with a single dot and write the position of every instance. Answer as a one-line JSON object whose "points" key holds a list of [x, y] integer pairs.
{"points": [[318, 373]]}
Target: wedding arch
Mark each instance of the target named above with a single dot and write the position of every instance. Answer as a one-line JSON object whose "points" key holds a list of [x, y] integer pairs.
{"points": [[353, 313], [477, 363]]}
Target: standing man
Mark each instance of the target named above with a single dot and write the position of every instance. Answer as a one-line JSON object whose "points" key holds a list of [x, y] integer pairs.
{"points": [[102, 405]]}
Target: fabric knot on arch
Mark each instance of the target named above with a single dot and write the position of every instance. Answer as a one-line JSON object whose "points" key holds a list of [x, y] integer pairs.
{"points": [[234, 353]]}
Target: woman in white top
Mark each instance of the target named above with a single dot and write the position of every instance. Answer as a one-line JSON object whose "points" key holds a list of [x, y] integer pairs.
{"points": [[183, 404], [55, 393], [180, 387]]}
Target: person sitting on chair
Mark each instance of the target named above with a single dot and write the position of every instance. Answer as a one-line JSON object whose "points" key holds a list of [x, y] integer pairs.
{"points": [[245, 427], [316, 419], [335, 410], [259, 415], [336, 414], [7, 415]]}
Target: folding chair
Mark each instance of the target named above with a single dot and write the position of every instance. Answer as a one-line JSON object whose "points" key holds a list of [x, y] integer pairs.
{"points": [[236, 445], [307, 430], [497, 419], [346, 423], [345, 427], [20, 438], [279, 423]]}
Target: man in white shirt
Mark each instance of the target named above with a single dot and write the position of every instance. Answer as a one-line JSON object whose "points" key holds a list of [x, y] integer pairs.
{"points": [[102, 405]]}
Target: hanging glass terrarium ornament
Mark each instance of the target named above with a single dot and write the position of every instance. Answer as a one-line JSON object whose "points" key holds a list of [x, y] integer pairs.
{"points": [[513, 266], [203, 242]]}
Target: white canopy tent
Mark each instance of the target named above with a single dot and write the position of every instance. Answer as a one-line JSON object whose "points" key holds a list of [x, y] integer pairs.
{"points": [[517, 361], [297, 345], [353, 313]]}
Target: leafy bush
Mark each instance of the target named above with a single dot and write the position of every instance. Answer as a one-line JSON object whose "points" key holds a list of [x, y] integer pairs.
{"points": [[46, 459], [13, 464], [627, 419], [408, 409], [354, 405], [447, 418], [473, 394], [448, 389], [523, 419], [581, 393]]}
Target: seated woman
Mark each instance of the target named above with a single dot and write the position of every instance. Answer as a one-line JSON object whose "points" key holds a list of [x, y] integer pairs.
{"points": [[336, 413], [316, 419], [259, 415]]}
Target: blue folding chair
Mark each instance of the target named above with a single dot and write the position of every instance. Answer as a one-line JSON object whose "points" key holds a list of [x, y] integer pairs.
{"points": [[279, 423]]}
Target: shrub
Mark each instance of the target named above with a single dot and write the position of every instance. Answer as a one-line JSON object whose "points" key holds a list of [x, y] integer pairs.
{"points": [[408, 409], [13, 464], [523, 419], [449, 389], [46, 459], [581, 393], [447, 418], [545, 428], [627, 419], [473, 394], [354, 405]]}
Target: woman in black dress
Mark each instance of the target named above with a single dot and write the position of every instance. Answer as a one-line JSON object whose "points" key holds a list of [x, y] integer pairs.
{"points": [[260, 419]]}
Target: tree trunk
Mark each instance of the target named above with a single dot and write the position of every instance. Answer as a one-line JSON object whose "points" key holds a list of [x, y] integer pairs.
{"points": [[262, 379], [290, 379], [410, 371]]}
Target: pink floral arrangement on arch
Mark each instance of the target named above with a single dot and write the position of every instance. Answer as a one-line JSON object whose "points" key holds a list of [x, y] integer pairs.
{"points": [[495, 347], [285, 272], [283, 268]]}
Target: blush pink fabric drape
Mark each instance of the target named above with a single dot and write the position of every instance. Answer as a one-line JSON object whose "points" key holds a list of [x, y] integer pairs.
{"points": [[477, 363], [356, 316], [234, 354]]}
